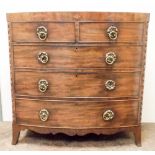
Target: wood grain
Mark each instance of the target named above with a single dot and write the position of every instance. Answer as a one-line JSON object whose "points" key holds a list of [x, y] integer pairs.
{"points": [[77, 57], [77, 84], [76, 115], [57, 32], [87, 16], [97, 32]]}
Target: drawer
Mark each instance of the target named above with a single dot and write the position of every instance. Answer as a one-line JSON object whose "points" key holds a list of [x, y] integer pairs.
{"points": [[77, 114], [77, 57], [77, 84], [97, 32], [48, 32]]}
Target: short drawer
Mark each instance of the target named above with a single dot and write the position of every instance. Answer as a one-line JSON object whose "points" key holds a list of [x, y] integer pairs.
{"points": [[77, 84], [120, 32], [77, 114], [78, 57], [43, 32]]}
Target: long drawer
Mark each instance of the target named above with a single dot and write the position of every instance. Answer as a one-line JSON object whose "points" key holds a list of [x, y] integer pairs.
{"points": [[76, 114], [77, 84], [77, 57]]}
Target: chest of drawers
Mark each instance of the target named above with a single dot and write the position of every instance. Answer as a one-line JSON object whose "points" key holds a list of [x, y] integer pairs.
{"points": [[77, 72]]}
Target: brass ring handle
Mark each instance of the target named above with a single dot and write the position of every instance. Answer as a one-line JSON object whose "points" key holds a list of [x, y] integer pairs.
{"points": [[112, 32], [42, 85], [43, 115], [108, 115], [110, 58], [110, 84], [43, 57], [42, 33]]}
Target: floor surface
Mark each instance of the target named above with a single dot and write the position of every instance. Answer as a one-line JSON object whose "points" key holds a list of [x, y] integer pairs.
{"points": [[33, 141]]}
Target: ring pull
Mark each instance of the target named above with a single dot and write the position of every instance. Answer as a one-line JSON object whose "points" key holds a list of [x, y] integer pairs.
{"points": [[43, 115], [110, 85], [112, 32], [42, 85], [110, 58], [42, 33], [108, 115], [43, 57]]}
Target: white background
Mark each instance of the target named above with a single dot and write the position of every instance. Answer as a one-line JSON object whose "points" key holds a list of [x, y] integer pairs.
{"points": [[7, 6]]}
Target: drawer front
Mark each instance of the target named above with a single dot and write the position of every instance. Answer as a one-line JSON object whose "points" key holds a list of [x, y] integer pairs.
{"points": [[56, 32], [77, 114], [77, 57], [97, 32], [77, 84]]}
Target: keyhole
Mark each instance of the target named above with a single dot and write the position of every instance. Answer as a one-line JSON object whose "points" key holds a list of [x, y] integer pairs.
{"points": [[76, 49]]}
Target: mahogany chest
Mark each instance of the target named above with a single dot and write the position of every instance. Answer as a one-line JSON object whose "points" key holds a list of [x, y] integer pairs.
{"points": [[77, 72]]}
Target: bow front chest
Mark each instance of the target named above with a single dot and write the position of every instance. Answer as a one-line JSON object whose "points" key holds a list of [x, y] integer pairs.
{"points": [[77, 72]]}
